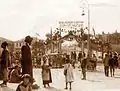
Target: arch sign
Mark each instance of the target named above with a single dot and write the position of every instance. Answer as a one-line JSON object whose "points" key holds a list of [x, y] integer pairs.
{"points": [[70, 29], [71, 24]]}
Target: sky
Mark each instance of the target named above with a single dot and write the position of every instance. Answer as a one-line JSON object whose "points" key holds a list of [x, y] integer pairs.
{"points": [[19, 18]]}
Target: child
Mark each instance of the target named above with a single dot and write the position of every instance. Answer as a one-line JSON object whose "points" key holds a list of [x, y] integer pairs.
{"points": [[46, 74], [68, 72], [25, 85]]}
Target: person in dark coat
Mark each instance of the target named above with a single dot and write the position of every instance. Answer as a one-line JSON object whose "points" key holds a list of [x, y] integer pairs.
{"points": [[80, 56], [4, 63], [94, 62], [74, 56], [26, 60], [84, 66], [115, 60], [106, 65], [111, 65]]}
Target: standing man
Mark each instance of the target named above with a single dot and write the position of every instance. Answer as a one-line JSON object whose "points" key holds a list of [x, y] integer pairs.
{"points": [[80, 56], [95, 61], [84, 66], [115, 60], [106, 65], [4, 63], [74, 56], [111, 64], [119, 61], [26, 60]]}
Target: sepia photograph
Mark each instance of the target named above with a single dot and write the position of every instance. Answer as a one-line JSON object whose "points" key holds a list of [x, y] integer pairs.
{"points": [[59, 45]]}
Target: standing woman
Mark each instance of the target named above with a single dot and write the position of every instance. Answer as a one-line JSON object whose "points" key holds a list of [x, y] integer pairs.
{"points": [[68, 72], [46, 74], [4, 63]]}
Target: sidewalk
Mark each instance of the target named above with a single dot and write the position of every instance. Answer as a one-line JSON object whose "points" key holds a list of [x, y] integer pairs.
{"points": [[96, 81]]}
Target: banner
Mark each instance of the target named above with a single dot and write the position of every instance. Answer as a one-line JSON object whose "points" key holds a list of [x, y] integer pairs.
{"points": [[72, 25]]}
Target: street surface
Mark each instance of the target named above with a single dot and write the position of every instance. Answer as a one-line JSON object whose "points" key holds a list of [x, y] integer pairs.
{"points": [[96, 81]]}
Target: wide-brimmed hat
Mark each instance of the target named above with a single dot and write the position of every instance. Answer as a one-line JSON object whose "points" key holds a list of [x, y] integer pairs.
{"points": [[28, 39], [26, 76], [4, 44]]}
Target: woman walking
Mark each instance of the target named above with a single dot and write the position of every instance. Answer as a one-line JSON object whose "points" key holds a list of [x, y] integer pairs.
{"points": [[46, 74], [68, 72]]}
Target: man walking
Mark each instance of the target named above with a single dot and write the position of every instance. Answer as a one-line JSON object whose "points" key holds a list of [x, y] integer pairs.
{"points": [[80, 56], [83, 66], [112, 66], [95, 62], [106, 65]]}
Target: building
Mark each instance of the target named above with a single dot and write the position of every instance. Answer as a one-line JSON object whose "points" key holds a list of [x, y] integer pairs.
{"points": [[18, 44]]}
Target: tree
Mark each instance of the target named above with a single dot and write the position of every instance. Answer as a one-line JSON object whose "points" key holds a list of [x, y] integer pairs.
{"points": [[48, 40], [38, 48]]}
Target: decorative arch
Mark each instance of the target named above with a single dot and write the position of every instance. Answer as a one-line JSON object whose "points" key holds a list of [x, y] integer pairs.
{"points": [[70, 36]]}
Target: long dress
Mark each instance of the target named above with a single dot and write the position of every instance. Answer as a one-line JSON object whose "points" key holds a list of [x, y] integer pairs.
{"points": [[46, 74], [69, 77], [1, 73], [4, 64], [26, 60]]}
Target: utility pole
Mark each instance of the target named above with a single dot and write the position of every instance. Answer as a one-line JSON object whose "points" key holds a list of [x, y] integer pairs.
{"points": [[88, 28], [89, 46]]}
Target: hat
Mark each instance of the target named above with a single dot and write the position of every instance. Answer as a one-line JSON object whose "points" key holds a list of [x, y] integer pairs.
{"points": [[4, 44], [28, 39], [26, 76]]}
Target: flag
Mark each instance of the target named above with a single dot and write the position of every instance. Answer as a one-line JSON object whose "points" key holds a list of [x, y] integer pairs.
{"points": [[51, 33], [94, 32]]}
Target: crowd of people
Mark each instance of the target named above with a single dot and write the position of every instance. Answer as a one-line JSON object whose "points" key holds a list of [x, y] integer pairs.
{"points": [[22, 72], [111, 62]]}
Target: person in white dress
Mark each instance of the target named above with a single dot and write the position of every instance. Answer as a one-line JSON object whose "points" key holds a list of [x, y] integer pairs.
{"points": [[68, 72]]}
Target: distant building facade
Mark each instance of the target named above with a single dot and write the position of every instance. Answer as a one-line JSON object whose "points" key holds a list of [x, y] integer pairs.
{"points": [[18, 44]]}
